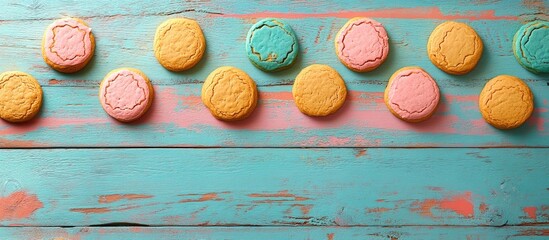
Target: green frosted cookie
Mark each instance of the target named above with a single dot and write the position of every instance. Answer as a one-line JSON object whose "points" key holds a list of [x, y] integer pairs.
{"points": [[271, 45], [531, 46]]}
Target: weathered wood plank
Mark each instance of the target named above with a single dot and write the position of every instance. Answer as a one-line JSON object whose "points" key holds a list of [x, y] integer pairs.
{"points": [[243, 233], [124, 32], [73, 117], [124, 38], [25, 10], [329, 187]]}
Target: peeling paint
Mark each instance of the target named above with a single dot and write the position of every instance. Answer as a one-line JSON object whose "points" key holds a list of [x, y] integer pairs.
{"points": [[530, 212], [19, 205], [361, 152], [117, 197], [90, 210], [483, 207], [203, 198], [460, 204], [403, 13], [276, 197]]}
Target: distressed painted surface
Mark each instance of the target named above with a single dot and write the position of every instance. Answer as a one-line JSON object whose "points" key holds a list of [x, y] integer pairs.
{"points": [[72, 115], [275, 187], [243, 233], [236, 186], [127, 41]]}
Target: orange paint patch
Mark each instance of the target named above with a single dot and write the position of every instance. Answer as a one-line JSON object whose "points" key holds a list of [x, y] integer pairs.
{"points": [[530, 212], [203, 198], [304, 208], [535, 232], [377, 210], [424, 207], [117, 197], [67, 82], [361, 153], [90, 210], [460, 204], [209, 197], [401, 13], [280, 194], [5, 143], [330, 236], [483, 207], [54, 82], [18, 205]]}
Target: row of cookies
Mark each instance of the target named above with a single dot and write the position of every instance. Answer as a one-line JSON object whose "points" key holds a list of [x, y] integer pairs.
{"points": [[362, 45], [411, 95], [230, 94]]}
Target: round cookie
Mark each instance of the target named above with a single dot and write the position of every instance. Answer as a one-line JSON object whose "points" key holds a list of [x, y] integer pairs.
{"points": [[68, 45], [454, 47], [506, 102], [319, 90], [531, 46], [412, 94], [362, 44], [230, 94], [179, 44], [271, 45], [126, 94], [20, 96]]}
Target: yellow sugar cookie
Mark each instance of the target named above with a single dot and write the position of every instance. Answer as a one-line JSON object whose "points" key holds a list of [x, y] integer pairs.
{"points": [[454, 47], [179, 44], [20, 96], [230, 94], [506, 102], [319, 90]]}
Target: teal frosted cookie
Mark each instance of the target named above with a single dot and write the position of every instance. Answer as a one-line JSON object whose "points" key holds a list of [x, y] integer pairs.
{"points": [[271, 45], [531, 46]]}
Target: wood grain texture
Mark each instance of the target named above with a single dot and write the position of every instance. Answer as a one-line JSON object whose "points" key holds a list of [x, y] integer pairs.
{"points": [[236, 186], [125, 37], [126, 41], [84, 168], [305, 233], [72, 117]]}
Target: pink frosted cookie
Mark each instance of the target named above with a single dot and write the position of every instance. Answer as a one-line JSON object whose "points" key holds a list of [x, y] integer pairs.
{"points": [[362, 44], [411, 94], [68, 45], [126, 94]]}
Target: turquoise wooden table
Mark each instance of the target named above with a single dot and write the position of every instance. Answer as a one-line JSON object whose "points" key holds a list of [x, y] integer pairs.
{"points": [[177, 173]]}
